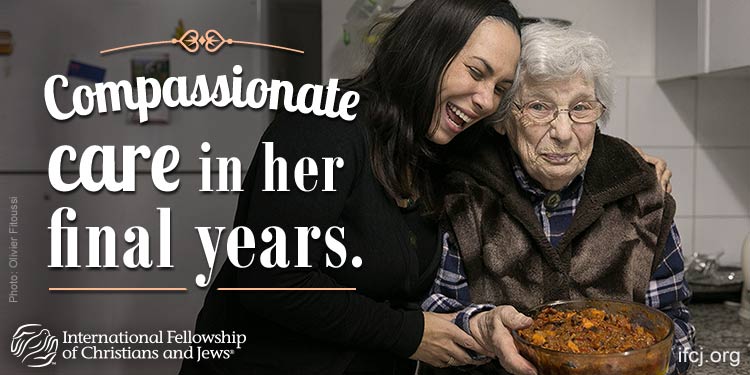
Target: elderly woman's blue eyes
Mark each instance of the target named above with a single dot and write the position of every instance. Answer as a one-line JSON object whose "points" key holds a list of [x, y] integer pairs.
{"points": [[581, 107], [538, 107]]}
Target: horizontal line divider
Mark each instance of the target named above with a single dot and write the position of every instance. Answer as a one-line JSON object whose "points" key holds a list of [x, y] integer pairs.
{"points": [[138, 172], [284, 289], [185, 289], [117, 289], [687, 217]]}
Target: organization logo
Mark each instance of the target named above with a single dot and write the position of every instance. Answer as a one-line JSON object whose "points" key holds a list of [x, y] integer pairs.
{"points": [[34, 345]]}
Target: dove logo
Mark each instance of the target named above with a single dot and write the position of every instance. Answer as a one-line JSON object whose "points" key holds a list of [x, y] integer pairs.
{"points": [[34, 345]]}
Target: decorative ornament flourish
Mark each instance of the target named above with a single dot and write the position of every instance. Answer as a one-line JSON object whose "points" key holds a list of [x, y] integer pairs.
{"points": [[191, 41]]}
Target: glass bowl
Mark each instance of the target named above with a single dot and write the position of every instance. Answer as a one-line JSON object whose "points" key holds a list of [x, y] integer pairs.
{"points": [[652, 360]]}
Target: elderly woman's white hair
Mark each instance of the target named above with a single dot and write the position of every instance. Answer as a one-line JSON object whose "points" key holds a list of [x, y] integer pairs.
{"points": [[553, 53]]}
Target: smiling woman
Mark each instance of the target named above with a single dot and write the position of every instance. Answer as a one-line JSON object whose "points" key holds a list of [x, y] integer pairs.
{"points": [[441, 67], [475, 80]]}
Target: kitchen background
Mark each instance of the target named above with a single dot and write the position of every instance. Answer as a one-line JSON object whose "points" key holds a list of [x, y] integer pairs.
{"points": [[683, 92], [682, 80]]}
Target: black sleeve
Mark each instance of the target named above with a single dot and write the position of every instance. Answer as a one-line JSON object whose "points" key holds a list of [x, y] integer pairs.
{"points": [[347, 318]]}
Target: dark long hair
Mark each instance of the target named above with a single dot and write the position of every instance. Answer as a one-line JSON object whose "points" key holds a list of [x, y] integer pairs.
{"points": [[401, 83]]}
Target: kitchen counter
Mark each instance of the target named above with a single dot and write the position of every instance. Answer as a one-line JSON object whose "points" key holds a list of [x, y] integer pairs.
{"points": [[720, 332]]}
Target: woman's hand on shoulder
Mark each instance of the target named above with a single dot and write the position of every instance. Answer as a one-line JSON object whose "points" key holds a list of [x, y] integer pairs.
{"points": [[663, 174], [492, 330], [444, 344]]}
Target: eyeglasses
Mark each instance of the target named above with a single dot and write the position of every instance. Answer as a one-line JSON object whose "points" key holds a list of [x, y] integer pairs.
{"points": [[543, 113]]}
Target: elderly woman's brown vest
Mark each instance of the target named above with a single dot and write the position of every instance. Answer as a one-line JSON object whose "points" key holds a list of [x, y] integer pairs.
{"points": [[610, 250]]}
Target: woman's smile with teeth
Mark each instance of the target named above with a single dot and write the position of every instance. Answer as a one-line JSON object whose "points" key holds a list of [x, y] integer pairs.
{"points": [[462, 116]]}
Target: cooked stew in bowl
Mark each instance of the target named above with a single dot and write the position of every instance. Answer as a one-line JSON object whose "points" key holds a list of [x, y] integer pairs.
{"points": [[590, 330], [597, 337]]}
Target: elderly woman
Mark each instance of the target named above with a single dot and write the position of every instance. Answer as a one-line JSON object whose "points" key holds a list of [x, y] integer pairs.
{"points": [[548, 208]]}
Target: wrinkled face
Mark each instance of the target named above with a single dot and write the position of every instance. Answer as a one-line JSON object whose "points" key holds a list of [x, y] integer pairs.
{"points": [[475, 80], [553, 153]]}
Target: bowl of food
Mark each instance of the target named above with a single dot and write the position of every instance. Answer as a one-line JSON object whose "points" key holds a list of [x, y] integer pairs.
{"points": [[597, 337]]}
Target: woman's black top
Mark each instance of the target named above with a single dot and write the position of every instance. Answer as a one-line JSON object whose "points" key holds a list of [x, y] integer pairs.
{"points": [[371, 330]]}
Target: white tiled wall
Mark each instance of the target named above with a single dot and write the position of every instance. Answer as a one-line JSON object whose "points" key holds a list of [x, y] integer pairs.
{"points": [[699, 126], [721, 234], [681, 163], [618, 111], [723, 112], [730, 166], [627, 26], [661, 114]]}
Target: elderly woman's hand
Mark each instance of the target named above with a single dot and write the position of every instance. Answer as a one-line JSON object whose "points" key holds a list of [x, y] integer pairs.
{"points": [[444, 344], [662, 172], [492, 330]]}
